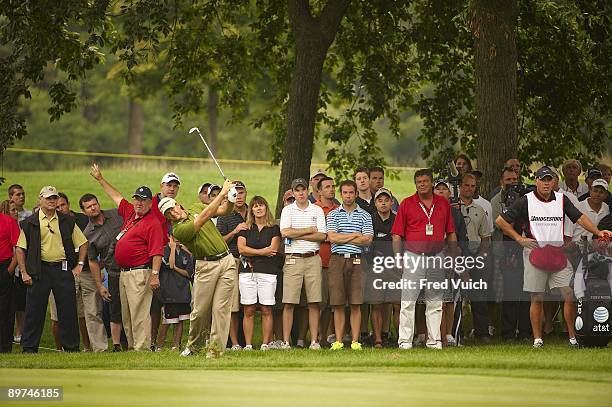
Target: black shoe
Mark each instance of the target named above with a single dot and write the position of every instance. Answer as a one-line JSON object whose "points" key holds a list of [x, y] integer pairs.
{"points": [[152, 348], [116, 347], [483, 340]]}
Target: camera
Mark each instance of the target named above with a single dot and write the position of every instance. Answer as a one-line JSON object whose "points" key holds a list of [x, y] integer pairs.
{"points": [[513, 192]]}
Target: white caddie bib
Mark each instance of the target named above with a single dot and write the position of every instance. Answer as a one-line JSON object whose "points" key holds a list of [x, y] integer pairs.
{"points": [[546, 219]]}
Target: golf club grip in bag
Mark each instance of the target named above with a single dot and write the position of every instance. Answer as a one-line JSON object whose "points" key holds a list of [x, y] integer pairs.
{"points": [[593, 310]]}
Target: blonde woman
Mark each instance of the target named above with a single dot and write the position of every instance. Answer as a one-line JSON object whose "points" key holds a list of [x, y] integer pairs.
{"points": [[258, 246]]}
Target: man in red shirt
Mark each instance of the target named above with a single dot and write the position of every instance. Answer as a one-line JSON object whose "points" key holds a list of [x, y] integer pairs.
{"points": [[327, 193], [9, 233], [422, 226], [138, 252]]}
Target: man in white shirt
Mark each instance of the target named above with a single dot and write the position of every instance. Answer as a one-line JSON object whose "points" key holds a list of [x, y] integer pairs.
{"points": [[571, 170], [593, 207]]}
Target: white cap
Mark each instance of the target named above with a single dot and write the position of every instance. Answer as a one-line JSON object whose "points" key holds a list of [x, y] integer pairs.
{"points": [[169, 177], [600, 182], [165, 204]]}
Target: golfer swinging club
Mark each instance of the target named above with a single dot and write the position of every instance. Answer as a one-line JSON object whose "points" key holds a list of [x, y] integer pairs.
{"points": [[215, 269]]}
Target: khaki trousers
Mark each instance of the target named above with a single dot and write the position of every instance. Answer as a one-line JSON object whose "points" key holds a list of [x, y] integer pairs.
{"points": [[136, 295], [89, 304], [213, 288]]}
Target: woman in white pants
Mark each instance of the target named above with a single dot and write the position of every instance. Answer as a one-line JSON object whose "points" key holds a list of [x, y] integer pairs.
{"points": [[258, 246]]}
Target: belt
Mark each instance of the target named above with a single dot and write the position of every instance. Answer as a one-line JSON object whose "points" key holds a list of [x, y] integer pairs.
{"points": [[143, 267], [307, 254], [52, 263], [216, 256], [348, 255]]}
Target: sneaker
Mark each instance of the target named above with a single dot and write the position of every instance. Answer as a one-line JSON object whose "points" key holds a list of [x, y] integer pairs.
{"points": [[187, 352], [331, 338], [285, 346], [85, 350], [264, 347], [347, 338], [248, 348], [573, 343], [17, 338], [420, 340], [538, 343], [337, 345], [158, 349], [405, 346], [236, 347], [300, 344], [491, 330], [275, 345], [116, 347], [213, 355], [450, 341], [437, 345], [152, 348], [314, 346], [356, 346]]}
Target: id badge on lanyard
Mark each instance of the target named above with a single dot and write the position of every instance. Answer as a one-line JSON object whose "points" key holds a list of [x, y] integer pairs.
{"points": [[429, 230]]}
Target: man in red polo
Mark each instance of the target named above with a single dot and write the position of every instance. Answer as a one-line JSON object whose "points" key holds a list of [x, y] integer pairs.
{"points": [[422, 226], [9, 233], [326, 190], [138, 253]]}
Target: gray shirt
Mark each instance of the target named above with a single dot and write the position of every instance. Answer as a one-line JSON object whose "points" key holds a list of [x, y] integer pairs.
{"points": [[102, 239]]}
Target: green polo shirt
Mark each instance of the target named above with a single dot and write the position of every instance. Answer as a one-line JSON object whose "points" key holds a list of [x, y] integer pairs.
{"points": [[206, 242]]}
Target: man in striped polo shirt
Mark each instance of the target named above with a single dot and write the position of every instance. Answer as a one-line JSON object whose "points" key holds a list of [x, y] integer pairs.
{"points": [[349, 230], [302, 225]]}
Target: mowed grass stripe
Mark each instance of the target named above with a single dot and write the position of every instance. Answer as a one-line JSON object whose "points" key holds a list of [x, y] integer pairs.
{"points": [[300, 388]]}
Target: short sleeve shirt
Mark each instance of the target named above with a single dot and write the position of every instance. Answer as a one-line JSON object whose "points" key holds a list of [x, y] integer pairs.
{"points": [[205, 242], [476, 222], [411, 221], [259, 239], [325, 248], [9, 233], [294, 217], [102, 237], [519, 211], [51, 245], [341, 221], [142, 239], [226, 224]]}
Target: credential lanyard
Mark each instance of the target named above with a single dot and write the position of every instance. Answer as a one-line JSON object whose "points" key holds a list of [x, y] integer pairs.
{"points": [[428, 214]]}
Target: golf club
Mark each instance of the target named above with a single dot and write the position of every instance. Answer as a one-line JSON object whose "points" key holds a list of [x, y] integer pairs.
{"points": [[208, 148], [232, 194]]}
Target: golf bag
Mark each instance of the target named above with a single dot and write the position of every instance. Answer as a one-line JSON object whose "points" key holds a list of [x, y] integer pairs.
{"points": [[594, 299]]}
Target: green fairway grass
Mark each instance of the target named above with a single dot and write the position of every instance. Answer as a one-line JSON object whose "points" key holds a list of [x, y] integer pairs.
{"points": [[259, 179], [309, 388]]}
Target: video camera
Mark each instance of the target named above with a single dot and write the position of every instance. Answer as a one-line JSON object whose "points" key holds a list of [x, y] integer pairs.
{"points": [[513, 192], [454, 178]]}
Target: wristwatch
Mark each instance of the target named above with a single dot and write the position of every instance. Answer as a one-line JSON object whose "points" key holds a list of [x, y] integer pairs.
{"points": [[155, 272], [81, 263]]}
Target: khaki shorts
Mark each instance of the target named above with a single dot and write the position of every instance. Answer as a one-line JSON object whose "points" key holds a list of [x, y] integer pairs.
{"points": [[299, 271], [236, 292], [537, 280], [345, 281], [53, 307]]}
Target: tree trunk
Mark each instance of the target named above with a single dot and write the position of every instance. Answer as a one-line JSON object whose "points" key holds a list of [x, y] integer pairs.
{"points": [[313, 37], [493, 24], [213, 113], [135, 128]]}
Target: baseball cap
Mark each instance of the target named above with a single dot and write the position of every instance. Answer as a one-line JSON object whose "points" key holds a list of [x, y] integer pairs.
{"points": [[212, 187], [600, 182], [169, 177], [203, 187], [443, 182], [48, 191], [165, 204], [318, 172], [299, 181], [143, 192], [382, 191], [239, 184], [543, 172], [593, 173], [288, 194]]}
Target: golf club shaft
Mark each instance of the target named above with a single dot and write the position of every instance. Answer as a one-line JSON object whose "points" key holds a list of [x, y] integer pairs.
{"points": [[210, 152]]}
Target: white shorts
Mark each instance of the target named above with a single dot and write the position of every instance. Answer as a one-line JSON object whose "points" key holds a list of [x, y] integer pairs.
{"points": [[257, 288]]}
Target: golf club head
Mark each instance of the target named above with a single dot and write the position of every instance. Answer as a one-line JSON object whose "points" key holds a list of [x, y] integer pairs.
{"points": [[194, 129]]}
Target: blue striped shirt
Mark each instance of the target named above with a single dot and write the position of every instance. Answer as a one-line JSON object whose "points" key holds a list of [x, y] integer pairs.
{"points": [[341, 221]]}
